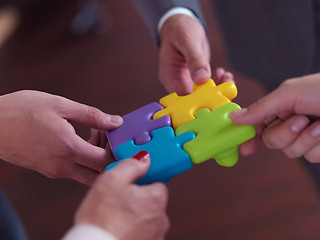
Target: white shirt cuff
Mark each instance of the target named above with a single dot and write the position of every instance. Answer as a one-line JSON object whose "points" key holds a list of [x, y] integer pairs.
{"points": [[87, 231], [172, 12]]}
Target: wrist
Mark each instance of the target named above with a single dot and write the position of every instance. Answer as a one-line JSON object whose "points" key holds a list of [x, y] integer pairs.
{"points": [[180, 27], [174, 13]]}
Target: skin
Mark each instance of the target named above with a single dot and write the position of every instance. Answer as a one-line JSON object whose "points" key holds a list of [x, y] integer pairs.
{"points": [[287, 118], [36, 133], [185, 56], [126, 210]]}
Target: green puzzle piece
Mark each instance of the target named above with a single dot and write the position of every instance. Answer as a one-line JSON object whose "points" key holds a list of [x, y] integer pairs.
{"points": [[217, 137]]}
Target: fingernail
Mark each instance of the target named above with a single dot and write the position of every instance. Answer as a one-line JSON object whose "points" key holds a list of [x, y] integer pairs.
{"points": [[115, 119], [299, 124], [238, 113], [142, 156], [199, 74], [315, 131]]}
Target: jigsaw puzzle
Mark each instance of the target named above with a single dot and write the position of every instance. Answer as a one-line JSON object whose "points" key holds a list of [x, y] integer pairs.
{"points": [[217, 137], [181, 131], [165, 149], [182, 109], [138, 125]]}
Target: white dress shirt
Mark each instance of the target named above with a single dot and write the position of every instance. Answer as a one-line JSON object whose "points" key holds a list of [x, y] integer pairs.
{"points": [[87, 232], [172, 12]]}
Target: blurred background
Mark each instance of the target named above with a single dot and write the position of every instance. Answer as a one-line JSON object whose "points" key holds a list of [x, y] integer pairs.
{"points": [[101, 54]]}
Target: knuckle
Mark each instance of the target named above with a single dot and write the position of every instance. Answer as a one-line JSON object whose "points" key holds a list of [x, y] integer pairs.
{"points": [[59, 104], [272, 142], [287, 84], [274, 138], [289, 87], [103, 182], [93, 114], [159, 195], [196, 58], [55, 172], [64, 150], [109, 177]]}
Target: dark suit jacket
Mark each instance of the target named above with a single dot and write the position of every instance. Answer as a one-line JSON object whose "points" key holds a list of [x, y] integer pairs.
{"points": [[271, 40], [152, 10]]}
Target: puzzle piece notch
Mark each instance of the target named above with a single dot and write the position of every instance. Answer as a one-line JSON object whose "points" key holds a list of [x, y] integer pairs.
{"points": [[217, 137], [182, 109], [168, 158], [137, 126]]}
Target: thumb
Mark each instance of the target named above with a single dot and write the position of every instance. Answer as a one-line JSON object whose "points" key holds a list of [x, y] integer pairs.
{"points": [[130, 170], [89, 116], [194, 46], [197, 61]]}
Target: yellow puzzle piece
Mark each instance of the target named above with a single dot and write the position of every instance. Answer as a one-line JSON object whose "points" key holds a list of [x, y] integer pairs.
{"points": [[182, 109]]}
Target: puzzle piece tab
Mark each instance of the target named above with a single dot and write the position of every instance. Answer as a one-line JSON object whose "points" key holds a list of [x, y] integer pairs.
{"points": [[137, 126], [217, 137], [182, 109], [167, 156]]}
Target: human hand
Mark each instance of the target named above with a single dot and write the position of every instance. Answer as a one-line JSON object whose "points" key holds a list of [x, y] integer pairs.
{"points": [[124, 209], [98, 138], [184, 54], [36, 134], [220, 76], [287, 118]]}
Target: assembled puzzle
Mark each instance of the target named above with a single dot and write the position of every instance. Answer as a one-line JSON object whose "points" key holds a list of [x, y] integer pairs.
{"points": [[182, 130]]}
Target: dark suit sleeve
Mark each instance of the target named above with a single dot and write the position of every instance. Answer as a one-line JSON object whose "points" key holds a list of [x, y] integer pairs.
{"points": [[152, 10]]}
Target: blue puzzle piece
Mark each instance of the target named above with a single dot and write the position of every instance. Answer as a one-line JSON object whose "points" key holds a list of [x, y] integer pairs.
{"points": [[167, 156], [137, 126]]}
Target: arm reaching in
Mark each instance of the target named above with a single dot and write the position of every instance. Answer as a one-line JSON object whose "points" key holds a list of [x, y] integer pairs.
{"points": [[184, 54], [178, 27], [36, 134], [288, 118], [124, 209]]}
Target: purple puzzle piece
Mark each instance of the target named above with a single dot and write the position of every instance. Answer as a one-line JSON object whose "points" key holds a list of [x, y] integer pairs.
{"points": [[138, 125]]}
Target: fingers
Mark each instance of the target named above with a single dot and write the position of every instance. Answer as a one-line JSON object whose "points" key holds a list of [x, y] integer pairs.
{"points": [[88, 116], [281, 134], [88, 155], [294, 137], [71, 170], [98, 138], [173, 71], [159, 194], [221, 76], [298, 96], [307, 144], [188, 38], [129, 170], [94, 137], [197, 60], [250, 146], [265, 108], [313, 155], [82, 174]]}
